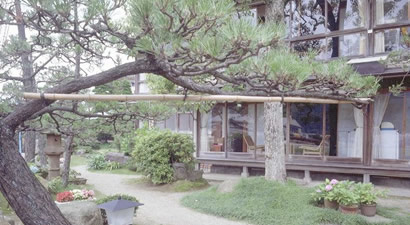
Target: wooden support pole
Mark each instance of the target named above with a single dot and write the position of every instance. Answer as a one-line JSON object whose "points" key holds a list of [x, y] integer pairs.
{"points": [[194, 98]]}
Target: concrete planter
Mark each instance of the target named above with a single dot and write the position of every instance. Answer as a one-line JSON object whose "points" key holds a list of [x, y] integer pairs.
{"points": [[78, 181]]}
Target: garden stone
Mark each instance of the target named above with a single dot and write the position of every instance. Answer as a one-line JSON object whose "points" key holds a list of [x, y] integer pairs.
{"points": [[80, 152], [228, 185], [117, 157], [81, 213], [180, 171]]}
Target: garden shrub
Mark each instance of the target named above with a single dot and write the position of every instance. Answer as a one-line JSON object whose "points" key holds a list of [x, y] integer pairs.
{"points": [[97, 162], [116, 196], [113, 166], [127, 143], [156, 150], [55, 185]]}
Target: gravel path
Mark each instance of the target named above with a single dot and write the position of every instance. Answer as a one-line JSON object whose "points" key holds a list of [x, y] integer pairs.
{"points": [[161, 208]]}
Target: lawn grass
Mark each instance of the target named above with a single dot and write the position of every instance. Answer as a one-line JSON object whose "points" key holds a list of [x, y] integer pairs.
{"points": [[186, 185], [258, 201], [4, 206], [77, 160]]}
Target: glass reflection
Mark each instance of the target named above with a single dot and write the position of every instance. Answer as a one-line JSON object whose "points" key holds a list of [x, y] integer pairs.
{"points": [[343, 15], [308, 17], [391, 40], [348, 45], [392, 11]]}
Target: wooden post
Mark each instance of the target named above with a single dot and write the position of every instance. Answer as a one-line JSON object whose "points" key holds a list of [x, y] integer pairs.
{"points": [[404, 125], [368, 112], [324, 130], [289, 119]]}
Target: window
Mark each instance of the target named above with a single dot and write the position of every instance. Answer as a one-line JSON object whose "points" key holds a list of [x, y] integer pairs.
{"points": [[185, 122], [306, 129], [346, 14], [308, 17], [392, 11], [317, 45], [241, 125], [391, 40], [171, 123], [212, 130], [391, 136], [348, 45]]}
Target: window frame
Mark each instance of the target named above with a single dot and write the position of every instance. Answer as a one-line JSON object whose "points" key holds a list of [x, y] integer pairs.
{"points": [[370, 28]]}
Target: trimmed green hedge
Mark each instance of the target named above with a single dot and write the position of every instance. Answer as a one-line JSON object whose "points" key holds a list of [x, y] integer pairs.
{"points": [[156, 150]]}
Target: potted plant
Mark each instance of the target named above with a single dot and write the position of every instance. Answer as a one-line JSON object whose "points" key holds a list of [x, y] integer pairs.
{"points": [[367, 198], [326, 193], [348, 198]]}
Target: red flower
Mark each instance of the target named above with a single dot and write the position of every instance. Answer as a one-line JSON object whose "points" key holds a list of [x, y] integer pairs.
{"points": [[65, 196]]}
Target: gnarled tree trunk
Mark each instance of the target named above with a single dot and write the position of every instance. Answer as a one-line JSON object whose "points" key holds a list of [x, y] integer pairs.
{"points": [[275, 168], [41, 145], [29, 199]]}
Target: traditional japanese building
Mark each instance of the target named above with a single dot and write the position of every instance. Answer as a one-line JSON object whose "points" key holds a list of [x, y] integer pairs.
{"points": [[366, 143]]}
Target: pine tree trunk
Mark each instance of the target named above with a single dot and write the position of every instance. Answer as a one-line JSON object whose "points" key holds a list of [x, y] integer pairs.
{"points": [[275, 168], [68, 151], [29, 83], [35, 206], [29, 145], [42, 141]]}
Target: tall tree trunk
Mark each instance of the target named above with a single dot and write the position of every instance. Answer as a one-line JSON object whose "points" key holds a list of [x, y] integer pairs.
{"points": [[275, 168], [29, 83], [29, 199], [69, 144], [41, 145], [68, 151]]}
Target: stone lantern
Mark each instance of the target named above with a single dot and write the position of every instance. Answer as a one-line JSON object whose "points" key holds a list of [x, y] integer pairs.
{"points": [[119, 211], [53, 150]]}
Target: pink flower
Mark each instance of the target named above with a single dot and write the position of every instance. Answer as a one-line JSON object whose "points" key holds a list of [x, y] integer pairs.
{"points": [[328, 187], [334, 182]]}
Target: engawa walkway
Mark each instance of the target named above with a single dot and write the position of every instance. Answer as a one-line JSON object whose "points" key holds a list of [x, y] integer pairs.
{"points": [[161, 208]]}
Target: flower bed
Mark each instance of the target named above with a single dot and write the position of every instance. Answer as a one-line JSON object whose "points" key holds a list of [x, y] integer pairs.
{"points": [[75, 195]]}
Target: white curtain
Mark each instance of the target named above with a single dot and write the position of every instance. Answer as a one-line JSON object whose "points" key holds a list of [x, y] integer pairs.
{"points": [[358, 138], [379, 36], [362, 13], [380, 106], [204, 145]]}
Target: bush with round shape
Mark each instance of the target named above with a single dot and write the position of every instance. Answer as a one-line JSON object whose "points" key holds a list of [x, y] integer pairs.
{"points": [[156, 151]]}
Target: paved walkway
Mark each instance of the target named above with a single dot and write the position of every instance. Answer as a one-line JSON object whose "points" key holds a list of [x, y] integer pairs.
{"points": [[161, 208]]}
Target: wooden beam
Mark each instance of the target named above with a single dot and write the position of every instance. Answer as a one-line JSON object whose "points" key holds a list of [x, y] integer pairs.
{"points": [[193, 98]]}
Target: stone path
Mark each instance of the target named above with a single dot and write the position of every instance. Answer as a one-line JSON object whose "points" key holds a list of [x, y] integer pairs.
{"points": [[161, 208]]}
